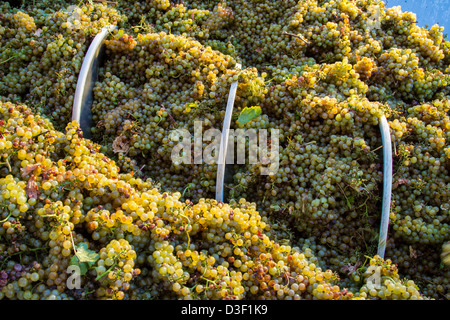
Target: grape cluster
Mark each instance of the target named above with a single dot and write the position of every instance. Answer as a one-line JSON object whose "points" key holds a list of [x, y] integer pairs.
{"points": [[126, 236], [19, 279], [384, 283], [116, 267], [156, 85], [42, 51], [329, 178]]}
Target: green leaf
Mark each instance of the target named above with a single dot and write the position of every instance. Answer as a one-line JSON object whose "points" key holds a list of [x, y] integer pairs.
{"points": [[350, 201], [85, 255], [82, 265], [191, 105], [248, 114], [275, 207], [84, 258]]}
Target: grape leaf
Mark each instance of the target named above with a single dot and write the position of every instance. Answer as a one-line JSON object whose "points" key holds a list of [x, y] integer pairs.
{"points": [[248, 114], [275, 207], [29, 169], [31, 188], [191, 105], [84, 258], [82, 265], [38, 32], [84, 254], [350, 201], [120, 144]]}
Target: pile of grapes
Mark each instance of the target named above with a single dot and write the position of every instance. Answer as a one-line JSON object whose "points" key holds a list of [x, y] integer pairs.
{"points": [[114, 217]]}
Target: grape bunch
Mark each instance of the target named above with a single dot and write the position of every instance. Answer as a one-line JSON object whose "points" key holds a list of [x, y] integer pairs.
{"points": [[42, 51], [156, 86], [133, 238]]}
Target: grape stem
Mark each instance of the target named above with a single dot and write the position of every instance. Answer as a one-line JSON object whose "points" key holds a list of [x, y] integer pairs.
{"points": [[185, 228], [5, 61], [106, 272], [7, 164], [4, 220], [296, 36], [105, 1], [377, 148], [349, 204]]}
